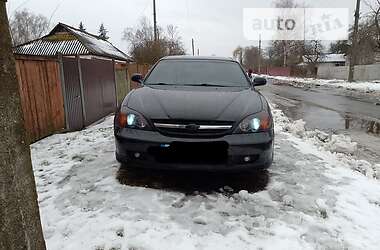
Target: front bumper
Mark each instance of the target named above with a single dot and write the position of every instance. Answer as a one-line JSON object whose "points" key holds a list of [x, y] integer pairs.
{"points": [[150, 149]]}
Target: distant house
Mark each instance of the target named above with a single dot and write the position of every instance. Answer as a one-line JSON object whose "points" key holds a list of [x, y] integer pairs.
{"points": [[69, 79], [328, 60], [325, 61]]}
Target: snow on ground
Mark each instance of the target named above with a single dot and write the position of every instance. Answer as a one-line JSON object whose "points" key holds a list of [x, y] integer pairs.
{"points": [[368, 87], [314, 199]]}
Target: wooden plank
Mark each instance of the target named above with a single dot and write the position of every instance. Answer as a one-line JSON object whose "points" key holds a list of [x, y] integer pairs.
{"points": [[56, 100], [35, 94], [24, 100], [31, 104], [48, 129]]}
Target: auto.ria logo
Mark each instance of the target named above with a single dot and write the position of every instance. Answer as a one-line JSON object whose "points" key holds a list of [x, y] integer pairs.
{"points": [[296, 23]]}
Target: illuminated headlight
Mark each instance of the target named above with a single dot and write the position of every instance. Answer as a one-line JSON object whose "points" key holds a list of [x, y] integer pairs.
{"points": [[131, 120], [128, 118], [255, 123]]}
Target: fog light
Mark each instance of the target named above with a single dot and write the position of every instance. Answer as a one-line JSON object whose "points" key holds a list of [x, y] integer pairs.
{"points": [[137, 155], [247, 159]]}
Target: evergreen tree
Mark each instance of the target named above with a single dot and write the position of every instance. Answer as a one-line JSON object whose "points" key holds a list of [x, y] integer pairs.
{"points": [[103, 32], [81, 27]]}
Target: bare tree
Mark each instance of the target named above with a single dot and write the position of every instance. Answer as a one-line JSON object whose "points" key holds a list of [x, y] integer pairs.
{"points": [[238, 54], [368, 37], [19, 215], [174, 40], [374, 17], [285, 53], [339, 47], [143, 47], [288, 50], [26, 26], [313, 54]]}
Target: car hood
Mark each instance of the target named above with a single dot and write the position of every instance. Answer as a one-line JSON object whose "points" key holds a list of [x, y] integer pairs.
{"points": [[195, 103]]}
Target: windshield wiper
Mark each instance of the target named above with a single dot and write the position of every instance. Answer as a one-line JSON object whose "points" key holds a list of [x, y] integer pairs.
{"points": [[158, 83], [206, 85]]}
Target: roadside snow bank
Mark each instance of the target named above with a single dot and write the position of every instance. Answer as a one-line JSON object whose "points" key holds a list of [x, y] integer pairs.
{"points": [[367, 87], [339, 145]]}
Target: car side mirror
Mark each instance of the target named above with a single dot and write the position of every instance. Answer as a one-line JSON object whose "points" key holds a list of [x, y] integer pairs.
{"points": [[259, 81], [137, 78]]}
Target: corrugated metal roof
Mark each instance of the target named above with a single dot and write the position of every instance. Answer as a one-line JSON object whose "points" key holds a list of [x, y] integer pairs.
{"points": [[51, 48], [67, 40]]}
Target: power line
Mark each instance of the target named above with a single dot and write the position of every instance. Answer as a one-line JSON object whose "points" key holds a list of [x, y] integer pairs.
{"points": [[55, 10]]}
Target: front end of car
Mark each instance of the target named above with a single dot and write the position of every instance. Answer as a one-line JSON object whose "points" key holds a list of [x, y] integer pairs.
{"points": [[177, 144]]}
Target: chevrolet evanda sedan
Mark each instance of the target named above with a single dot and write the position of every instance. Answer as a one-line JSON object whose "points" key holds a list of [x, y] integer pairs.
{"points": [[195, 113]]}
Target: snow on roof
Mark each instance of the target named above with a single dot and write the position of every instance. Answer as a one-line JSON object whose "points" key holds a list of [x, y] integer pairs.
{"points": [[328, 58], [98, 45], [333, 58]]}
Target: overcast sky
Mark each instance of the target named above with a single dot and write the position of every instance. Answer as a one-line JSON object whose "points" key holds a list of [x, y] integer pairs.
{"points": [[216, 25]]}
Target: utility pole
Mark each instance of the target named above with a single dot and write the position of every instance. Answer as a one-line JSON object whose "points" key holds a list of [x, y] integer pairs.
{"points": [[259, 54], [198, 51], [155, 21], [354, 43], [192, 45]]}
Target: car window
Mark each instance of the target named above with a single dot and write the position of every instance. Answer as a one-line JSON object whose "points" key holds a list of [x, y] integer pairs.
{"points": [[198, 72]]}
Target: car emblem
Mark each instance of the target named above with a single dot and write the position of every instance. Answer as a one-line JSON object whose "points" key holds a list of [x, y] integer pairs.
{"points": [[192, 127]]}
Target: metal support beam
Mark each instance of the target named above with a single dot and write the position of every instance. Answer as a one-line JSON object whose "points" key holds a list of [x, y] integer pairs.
{"points": [[63, 86], [81, 90]]}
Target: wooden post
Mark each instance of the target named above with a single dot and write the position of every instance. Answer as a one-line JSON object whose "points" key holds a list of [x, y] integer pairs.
{"points": [[155, 21], [192, 45]]}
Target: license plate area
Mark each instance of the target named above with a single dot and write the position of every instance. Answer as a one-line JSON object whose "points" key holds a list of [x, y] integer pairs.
{"points": [[192, 152]]}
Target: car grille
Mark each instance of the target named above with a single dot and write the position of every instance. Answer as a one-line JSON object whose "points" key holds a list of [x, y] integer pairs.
{"points": [[193, 128]]}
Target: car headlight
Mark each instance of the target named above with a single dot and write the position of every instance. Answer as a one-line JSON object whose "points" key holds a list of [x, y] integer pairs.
{"points": [[255, 123], [128, 118]]}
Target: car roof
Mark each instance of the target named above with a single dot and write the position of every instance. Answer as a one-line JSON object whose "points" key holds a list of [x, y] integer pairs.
{"points": [[187, 57]]}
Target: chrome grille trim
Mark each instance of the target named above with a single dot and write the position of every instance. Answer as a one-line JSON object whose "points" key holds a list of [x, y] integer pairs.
{"points": [[184, 126]]}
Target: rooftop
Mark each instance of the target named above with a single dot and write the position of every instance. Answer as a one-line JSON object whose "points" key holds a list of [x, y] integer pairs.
{"points": [[328, 58], [67, 40]]}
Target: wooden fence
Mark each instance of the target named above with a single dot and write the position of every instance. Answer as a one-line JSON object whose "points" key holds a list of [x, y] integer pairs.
{"points": [[41, 96]]}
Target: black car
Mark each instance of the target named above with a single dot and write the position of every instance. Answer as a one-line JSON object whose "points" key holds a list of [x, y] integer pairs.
{"points": [[195, 113]]}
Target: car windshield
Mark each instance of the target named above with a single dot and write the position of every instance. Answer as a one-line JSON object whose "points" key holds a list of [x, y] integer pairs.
{"points": [[198, 73]]}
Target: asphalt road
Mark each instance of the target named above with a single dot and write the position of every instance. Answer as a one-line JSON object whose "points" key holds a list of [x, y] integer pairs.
{"points": [[332, 110]]}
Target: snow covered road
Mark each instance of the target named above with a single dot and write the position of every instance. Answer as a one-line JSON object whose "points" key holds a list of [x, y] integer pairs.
{"points": [[310, 198]]}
